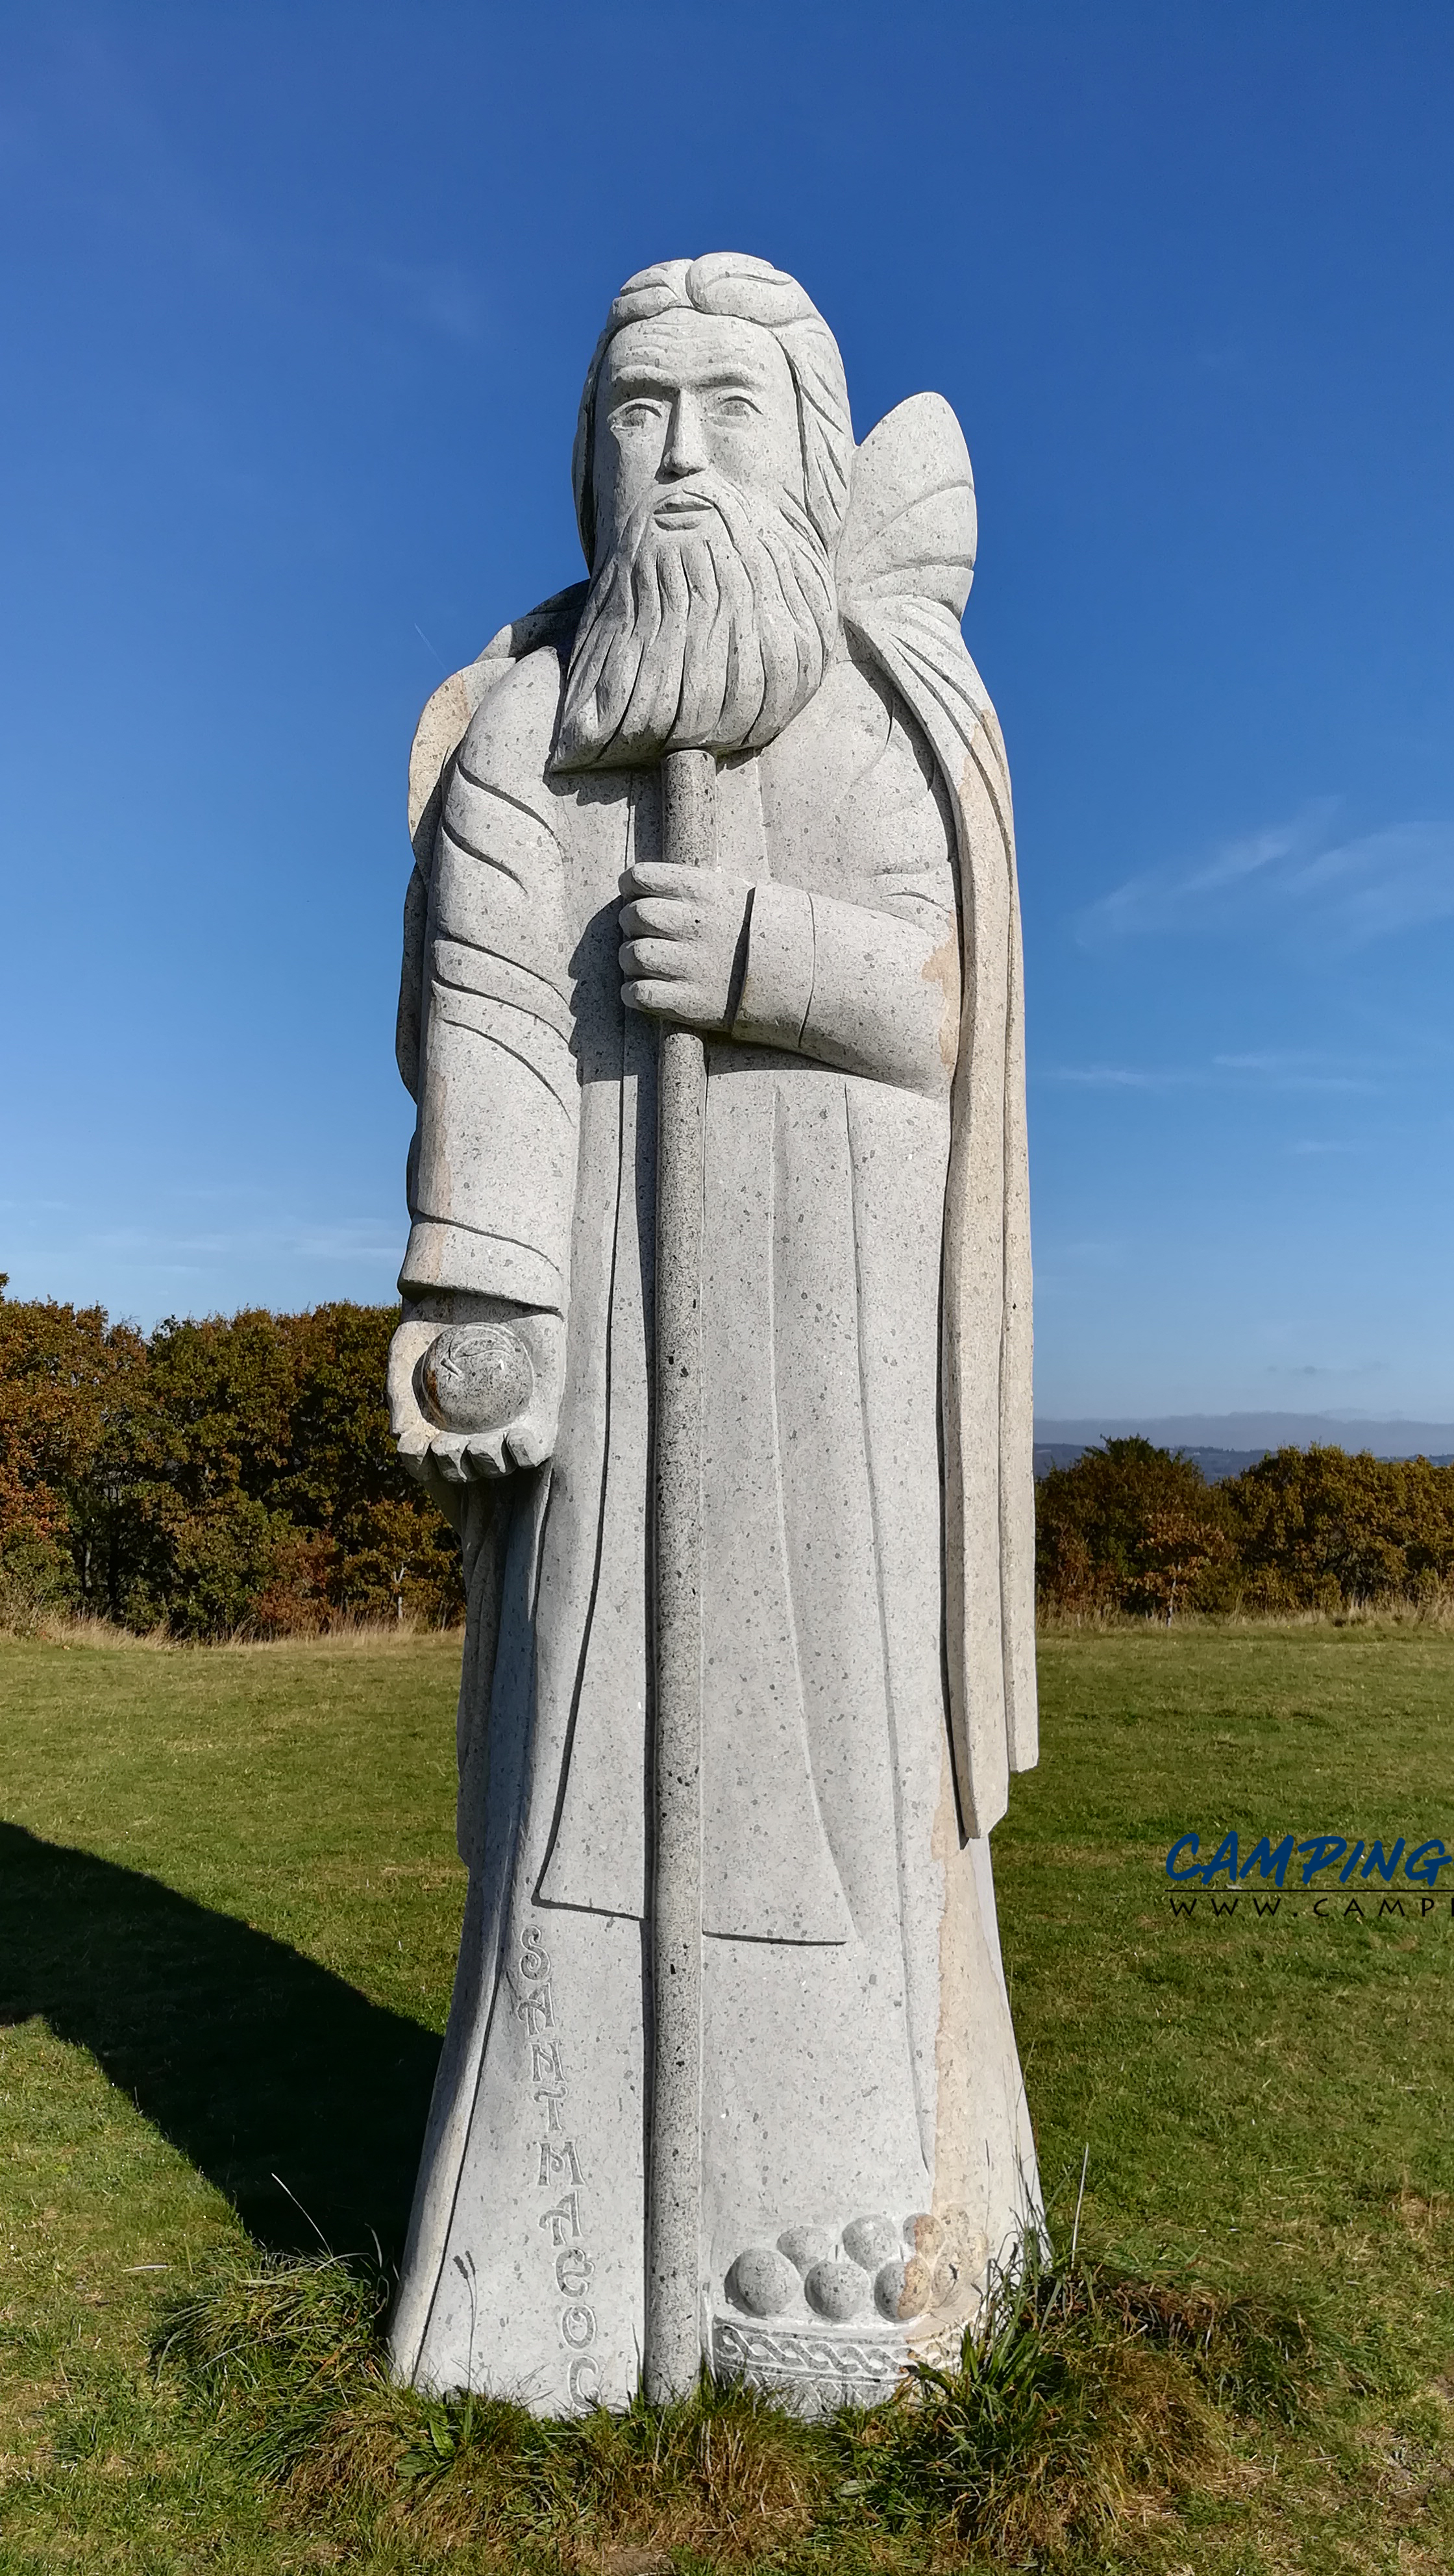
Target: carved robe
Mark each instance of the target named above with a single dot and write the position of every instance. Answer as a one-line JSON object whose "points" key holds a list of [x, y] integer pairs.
{"points": [[867, 1677]]}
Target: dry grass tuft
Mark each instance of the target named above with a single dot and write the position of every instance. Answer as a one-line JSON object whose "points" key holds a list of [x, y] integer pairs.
{"points": [[1433, 1610], [1424, 2216], [339, 1629], [1091, 2403], [22, 1623]]}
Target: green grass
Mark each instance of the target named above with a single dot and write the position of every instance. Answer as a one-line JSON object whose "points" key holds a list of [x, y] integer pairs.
{"points": [[228, 1907]]}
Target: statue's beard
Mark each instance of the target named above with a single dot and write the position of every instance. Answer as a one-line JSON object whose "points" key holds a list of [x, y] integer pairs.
{"points": [[708, 636]]}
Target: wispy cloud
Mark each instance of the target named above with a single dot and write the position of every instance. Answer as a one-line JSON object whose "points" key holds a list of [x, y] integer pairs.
{"points": [[1353, 1371], [1121, 1077], [350, 1239], [1295, 879], [1294, 1069], [1270, 1070]]}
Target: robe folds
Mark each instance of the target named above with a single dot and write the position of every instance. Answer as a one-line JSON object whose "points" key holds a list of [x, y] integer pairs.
{"points": [[866, 1541]]}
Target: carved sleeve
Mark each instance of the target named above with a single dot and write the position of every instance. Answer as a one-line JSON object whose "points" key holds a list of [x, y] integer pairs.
{"points": [[858, 964], [861, 967], [493, 1172], [853, 986]]}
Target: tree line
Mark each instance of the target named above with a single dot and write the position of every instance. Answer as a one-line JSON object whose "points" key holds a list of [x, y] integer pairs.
{"points": [[237, 1476], [215, 1478], [1135, 1528]]}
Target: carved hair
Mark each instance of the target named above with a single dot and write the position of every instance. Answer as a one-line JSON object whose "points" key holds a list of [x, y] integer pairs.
{"points": [[746, 290]]}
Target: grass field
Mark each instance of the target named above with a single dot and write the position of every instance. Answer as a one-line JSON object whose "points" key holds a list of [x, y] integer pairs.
{"points": [[228, 1909]]}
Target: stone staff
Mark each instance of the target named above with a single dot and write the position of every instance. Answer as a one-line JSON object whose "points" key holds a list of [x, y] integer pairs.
{"points": [[674, 2188]]}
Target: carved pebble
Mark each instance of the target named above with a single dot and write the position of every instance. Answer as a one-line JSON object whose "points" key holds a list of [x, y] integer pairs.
{"points": [[925, 2234], [903, 2290], [871, 2241], [837, 2290], [763, 2282], [476, 1378], [805, 2246]]}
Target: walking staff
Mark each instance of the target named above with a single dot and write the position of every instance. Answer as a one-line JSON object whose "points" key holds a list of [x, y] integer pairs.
{"points": [[674, 2172]]}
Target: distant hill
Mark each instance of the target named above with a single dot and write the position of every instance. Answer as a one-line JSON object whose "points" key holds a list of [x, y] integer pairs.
{"points": [[1224, 1443]]}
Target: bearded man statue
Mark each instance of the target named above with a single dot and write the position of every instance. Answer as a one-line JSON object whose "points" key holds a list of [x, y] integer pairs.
{"points": [[763, 591]]}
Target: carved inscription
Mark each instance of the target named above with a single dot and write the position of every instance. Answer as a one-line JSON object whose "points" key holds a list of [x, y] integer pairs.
{"points": [[559, 2164]]}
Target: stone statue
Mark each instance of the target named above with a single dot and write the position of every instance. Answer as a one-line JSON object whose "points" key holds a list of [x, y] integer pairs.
{"points": [[716, 1347]]}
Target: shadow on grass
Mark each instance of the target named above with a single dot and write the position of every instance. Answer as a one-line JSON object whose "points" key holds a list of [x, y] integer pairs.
{"points": [[248, 2057]]}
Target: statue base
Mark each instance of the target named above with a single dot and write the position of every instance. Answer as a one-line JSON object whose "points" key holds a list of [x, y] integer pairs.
{"points": [[815, 2370]]}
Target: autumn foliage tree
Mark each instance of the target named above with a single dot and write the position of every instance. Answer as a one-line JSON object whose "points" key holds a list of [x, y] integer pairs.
{"points": [[66, 1377], [229, 1475], [1130, 1527], [1320, 1528], [1127, 1527]]}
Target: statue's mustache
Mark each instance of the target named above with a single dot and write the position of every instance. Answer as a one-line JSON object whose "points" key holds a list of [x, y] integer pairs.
{"points": [[687, 499], [701, 495]]}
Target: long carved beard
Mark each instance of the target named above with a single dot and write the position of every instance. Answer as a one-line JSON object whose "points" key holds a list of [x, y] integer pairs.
{"points": [[708, 637]]}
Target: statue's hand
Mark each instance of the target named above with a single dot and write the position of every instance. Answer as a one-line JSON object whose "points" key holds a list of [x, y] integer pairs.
{"points": [[681, 934], [449, 1456]]}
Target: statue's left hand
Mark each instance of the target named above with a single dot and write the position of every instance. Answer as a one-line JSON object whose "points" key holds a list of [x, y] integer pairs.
{"points": [[681, 934], [454, 1458]]}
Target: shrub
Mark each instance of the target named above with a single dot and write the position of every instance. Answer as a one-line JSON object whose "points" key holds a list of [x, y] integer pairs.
{"points": [[1318, 1529], [1128, 1527]]}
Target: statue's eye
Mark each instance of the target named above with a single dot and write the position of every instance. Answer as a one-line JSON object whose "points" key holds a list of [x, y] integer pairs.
{"points": [[736, 407], [635, 415]]}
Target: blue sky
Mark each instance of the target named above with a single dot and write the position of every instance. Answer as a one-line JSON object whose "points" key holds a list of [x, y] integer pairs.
{"points": [[296, 303]]}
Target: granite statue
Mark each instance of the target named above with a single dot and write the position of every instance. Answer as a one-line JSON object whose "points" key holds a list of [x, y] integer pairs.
{"points": [[716, 1348]]}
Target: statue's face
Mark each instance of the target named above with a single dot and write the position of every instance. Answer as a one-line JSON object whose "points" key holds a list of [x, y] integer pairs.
{"points": [[688, 394], [712, 610]]}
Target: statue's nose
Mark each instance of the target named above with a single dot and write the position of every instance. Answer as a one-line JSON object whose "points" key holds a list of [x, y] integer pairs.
{"points": [[686, 445]]}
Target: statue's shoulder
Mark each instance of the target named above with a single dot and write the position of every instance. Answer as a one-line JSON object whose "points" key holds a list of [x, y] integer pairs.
{"points": [[503, 698], [508, 737]]}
